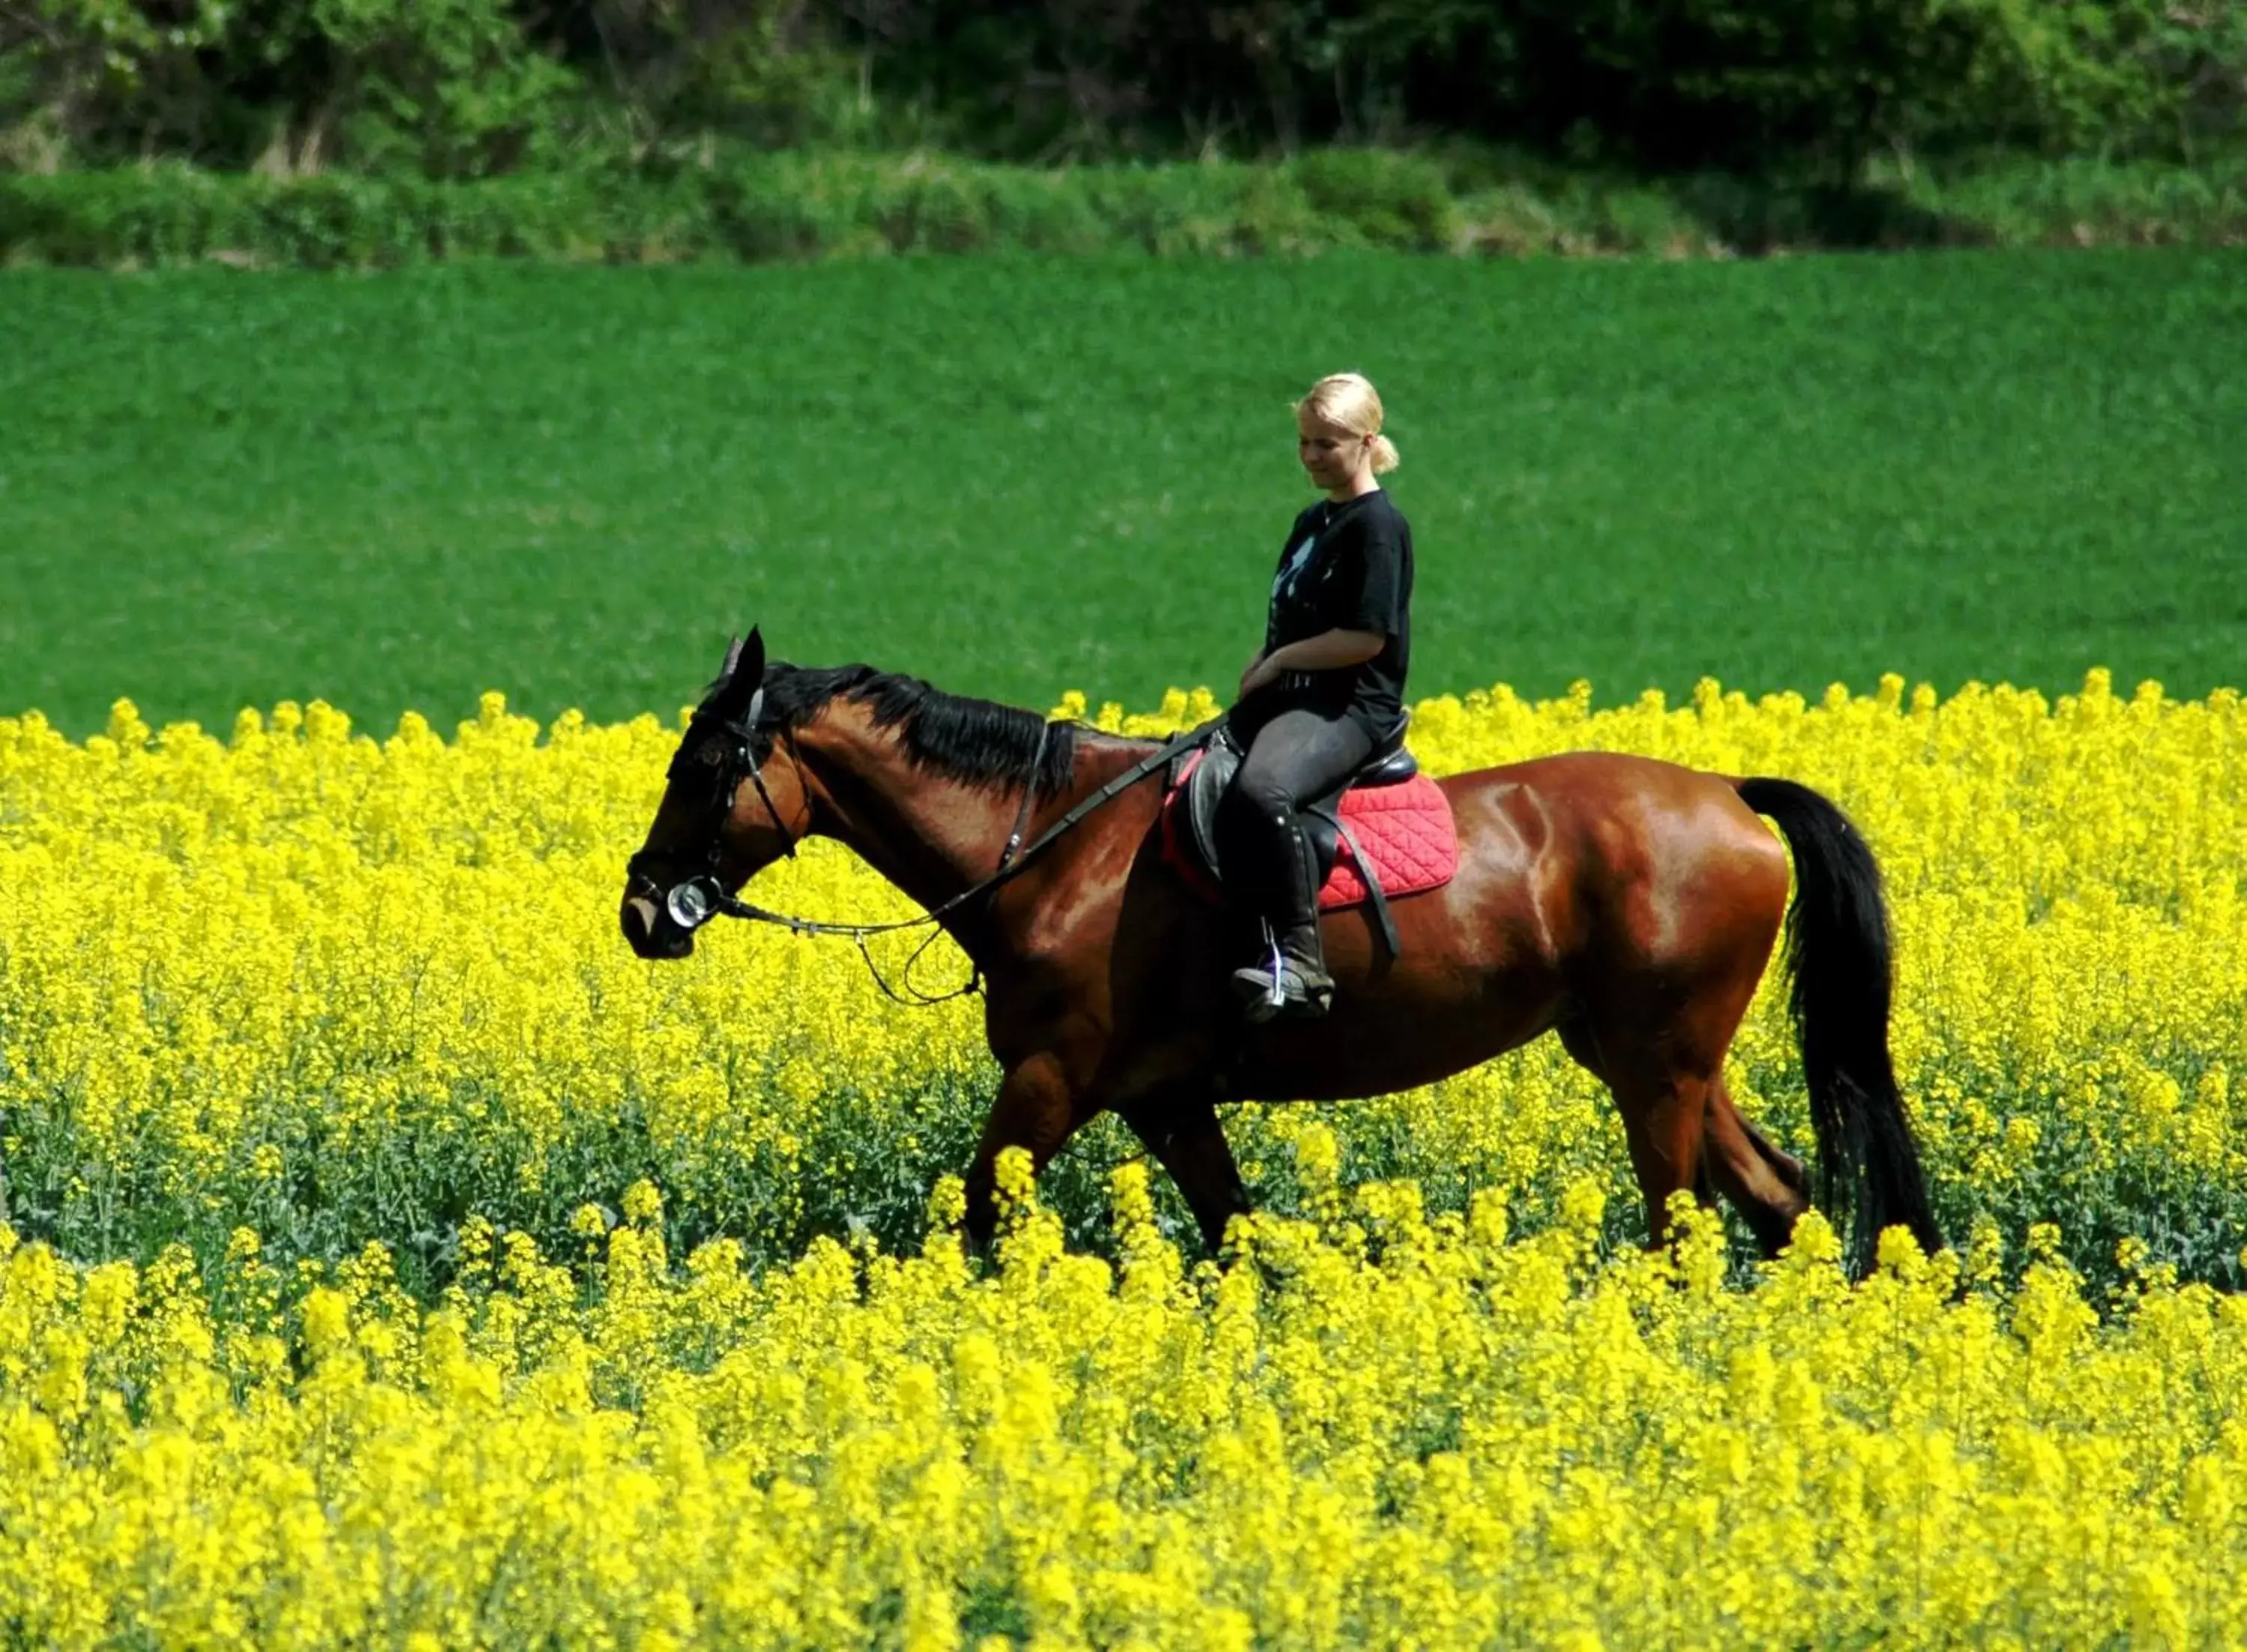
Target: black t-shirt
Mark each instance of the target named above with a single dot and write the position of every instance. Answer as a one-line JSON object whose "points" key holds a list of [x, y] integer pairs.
{"points": [[1347, 567]]}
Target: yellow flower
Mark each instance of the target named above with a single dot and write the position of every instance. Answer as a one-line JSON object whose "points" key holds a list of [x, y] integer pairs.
{"points": [[326, 1322], [642, 1202], [1424, 1403]]}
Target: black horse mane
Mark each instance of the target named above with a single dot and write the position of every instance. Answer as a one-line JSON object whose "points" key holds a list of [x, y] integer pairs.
{"points": [[975, 741]]}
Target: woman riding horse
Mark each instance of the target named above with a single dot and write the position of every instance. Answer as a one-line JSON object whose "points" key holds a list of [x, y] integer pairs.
{"points": [[1625, 905], [1322, 694]]}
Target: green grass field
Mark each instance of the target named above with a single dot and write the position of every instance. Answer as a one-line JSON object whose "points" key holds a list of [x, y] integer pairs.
{"points": [[1014, 477]]}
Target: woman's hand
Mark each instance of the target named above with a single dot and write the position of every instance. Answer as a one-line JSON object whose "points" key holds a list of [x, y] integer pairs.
{"points": [[1328, 651], [1257, 674]]}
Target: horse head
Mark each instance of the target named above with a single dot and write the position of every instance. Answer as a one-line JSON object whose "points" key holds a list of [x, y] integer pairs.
{"points": [[727, 812]]}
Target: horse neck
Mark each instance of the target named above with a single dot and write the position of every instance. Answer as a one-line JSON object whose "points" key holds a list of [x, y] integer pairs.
{"points": [[931, 836]]}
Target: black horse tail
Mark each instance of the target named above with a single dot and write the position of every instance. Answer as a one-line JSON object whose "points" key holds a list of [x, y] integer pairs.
{"points": [[1837, 951]]}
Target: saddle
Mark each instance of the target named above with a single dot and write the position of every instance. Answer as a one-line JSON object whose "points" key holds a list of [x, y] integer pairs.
{"points": [[1395, 824]]}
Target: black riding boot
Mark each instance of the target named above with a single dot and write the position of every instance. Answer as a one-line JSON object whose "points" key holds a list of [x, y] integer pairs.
{"points": [[1290, 978]]}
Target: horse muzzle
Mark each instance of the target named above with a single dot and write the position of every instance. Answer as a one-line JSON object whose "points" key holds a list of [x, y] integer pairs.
{"points": [[649, 931]]}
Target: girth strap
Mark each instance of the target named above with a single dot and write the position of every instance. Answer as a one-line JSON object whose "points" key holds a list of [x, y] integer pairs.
{"points": [[1375, 896]]}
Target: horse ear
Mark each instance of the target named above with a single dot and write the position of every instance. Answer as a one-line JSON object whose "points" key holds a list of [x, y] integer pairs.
{"points": [[744, 675], [732, 659]]}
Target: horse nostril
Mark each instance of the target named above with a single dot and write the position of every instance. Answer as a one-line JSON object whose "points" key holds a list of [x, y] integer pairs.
{"points": [[638, 919]]}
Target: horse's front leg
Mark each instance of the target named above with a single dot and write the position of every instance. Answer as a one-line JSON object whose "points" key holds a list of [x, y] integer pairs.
{"points": [[1183, 1132], [1037, 1109]]}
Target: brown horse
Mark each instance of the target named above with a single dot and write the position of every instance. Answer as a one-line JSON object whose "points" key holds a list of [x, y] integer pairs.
{"points": [[1627, 904]]}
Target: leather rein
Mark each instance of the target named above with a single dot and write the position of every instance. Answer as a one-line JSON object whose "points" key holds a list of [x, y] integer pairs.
{"points": [[695, 900]]}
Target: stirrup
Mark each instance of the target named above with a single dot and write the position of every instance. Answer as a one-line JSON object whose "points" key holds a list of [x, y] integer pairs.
{"points": [[1280, 987]]}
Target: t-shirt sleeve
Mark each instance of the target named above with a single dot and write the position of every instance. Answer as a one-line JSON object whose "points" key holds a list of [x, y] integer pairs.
{"points": [[1380, 602]]}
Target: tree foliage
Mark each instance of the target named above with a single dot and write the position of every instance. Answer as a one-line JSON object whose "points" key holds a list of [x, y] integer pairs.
{"points": [[469, 88]]}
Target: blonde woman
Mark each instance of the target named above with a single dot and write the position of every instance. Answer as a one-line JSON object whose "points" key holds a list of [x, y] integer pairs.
{"points": [[1327, 687]]}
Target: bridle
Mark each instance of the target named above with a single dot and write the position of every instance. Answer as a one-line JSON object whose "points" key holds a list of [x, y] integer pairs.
{"points": [[695, 900]]}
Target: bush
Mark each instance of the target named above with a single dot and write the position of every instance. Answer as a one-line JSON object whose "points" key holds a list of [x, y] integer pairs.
{"points": [[756, 207], [1389, 200]]}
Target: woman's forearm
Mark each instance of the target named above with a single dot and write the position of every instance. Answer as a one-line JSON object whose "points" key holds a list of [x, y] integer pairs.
{"points": [[1328, 651]]}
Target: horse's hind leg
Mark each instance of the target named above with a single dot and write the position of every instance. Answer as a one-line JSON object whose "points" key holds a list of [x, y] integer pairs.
{"points": [[1663, 1117], [1663, 1100], [1768, 1187]]}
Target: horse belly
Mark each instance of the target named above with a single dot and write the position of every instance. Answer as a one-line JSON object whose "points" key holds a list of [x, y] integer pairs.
{"points": [[1376, 1042]]}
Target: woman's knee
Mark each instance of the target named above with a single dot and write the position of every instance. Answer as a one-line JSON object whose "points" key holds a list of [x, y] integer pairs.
{"points": [[1247, 815], [1261, 791]]}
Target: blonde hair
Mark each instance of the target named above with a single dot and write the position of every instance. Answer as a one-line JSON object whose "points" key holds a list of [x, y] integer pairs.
{"points": [[1348, 401]]}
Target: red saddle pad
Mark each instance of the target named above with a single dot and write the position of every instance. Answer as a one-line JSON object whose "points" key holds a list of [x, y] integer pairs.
{"points": [[1407, 831]]}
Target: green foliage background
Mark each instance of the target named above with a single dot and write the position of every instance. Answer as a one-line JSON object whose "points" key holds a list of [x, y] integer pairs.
{"points": [[474, 88]]}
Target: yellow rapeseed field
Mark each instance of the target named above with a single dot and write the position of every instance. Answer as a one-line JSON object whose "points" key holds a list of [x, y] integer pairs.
{"points": [[387, 1256]]}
